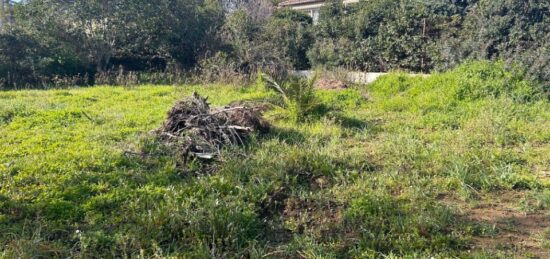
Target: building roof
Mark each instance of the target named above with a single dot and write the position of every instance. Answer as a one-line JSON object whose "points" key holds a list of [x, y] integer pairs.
{"points": [[299, 2], [310, 2]]}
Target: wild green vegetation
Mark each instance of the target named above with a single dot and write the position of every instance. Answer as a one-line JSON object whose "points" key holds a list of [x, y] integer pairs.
{"points": [[46, 43], [452, 165]]}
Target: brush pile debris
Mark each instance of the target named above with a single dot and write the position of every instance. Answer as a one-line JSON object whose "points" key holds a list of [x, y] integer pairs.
{"points": [[199, 131], [330, 84]]}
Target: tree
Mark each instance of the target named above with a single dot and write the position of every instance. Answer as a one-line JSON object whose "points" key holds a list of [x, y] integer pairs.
{"points": [[290, 32], [6, 14], [2, 14]]}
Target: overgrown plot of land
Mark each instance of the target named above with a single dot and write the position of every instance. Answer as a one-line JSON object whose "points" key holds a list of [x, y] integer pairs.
{"points": [[457, 164]]}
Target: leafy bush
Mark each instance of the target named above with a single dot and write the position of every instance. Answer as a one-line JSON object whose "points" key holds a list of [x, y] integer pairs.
{"points": [[382, 35], [248, 51], [513, 31], [423, 36], [290, 31], [91, 37], [187, 36], [25, 62]]}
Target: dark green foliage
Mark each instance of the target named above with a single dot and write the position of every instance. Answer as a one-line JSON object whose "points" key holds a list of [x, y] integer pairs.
{"points": [[292, 15], [179, 36], [17, 55], [106, 36], [290, 31], [514, 31], [332, 20], [24, 60], [422, 36], [382, 35], [251, 44], [245, 50], [494, 29]]}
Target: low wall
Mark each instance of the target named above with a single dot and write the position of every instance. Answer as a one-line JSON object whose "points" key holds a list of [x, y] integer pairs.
{"points": [[354, 77]]}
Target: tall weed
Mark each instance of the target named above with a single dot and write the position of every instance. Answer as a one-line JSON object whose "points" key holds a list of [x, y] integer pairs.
{"points": [[298, 95]]}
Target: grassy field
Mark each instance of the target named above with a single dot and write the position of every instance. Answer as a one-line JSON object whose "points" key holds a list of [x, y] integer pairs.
{"points": [[454, 165]]}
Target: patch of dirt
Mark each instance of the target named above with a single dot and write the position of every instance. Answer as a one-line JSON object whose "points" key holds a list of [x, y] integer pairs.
{"points": [[319, 218], [196, 130], [321, 182], [258, 106], [273, 204], [270, 212], [330, 84], [312, 180], [516, 232], [286, 215]]}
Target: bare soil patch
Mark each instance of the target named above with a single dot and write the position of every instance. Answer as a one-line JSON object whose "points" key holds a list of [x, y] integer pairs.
{"points": [[330, 84], [516, 232], [319, 218]]}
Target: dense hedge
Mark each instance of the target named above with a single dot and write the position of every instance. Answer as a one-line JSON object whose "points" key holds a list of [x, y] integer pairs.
{"points": [[204, 37], [420, 36]]}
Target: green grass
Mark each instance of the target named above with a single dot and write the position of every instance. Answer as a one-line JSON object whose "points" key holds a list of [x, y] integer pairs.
{"points": [[385, 170]]}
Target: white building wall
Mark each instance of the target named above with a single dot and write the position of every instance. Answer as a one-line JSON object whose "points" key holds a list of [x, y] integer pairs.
{"points": [[313, 9]]}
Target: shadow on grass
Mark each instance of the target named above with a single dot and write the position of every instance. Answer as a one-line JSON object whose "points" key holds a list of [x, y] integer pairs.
{"points": [[286, 135], [353, 123], [356, 124]]}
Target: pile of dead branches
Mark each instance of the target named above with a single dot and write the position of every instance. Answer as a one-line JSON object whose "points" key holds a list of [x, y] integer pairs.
{"points": [[196, 130]]}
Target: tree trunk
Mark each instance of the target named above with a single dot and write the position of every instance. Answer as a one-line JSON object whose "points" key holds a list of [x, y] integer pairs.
{"points": [[9, 19], [2, 14]]}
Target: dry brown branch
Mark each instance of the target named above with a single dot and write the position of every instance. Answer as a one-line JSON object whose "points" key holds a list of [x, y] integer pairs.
{"points": [[199, 131]]}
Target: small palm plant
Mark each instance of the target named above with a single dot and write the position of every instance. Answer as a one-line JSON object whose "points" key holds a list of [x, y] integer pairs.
{"points": [[298, 95]]}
